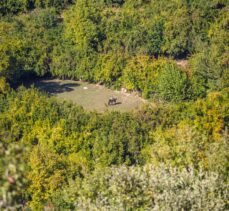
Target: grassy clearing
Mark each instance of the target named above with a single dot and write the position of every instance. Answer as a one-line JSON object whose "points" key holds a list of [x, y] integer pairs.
{"points": [[90, 96]]}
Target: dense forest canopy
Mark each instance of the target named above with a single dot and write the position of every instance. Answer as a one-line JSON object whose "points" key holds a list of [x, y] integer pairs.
{"points": [[171, 156], [103, 41]]}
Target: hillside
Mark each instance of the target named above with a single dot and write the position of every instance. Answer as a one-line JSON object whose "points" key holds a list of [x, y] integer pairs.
{"points": [[170, 153]]}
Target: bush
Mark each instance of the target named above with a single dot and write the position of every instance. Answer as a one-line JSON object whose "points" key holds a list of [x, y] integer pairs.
{"points": [[172, 84], [4, 86], [207, 72], [136, 73], [109, 68], [210, 66], [148, 188]]}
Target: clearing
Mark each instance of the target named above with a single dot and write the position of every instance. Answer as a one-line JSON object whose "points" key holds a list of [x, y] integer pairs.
{"points": [[92, 97]]}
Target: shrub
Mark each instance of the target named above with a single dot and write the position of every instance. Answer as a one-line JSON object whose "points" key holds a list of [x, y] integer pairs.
{"points": [[109, 68], [136, 73], [172, 84], [148, 188], [4, 86]]}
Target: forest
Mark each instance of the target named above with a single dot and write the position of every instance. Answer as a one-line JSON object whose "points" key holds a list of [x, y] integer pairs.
{"points": [[56, 155]]}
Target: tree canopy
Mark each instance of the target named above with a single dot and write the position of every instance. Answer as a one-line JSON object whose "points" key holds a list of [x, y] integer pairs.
{"points": [[171, 154]]}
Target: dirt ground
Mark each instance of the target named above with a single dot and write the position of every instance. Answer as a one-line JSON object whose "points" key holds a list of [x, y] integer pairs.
{"points": [[90, 96]]}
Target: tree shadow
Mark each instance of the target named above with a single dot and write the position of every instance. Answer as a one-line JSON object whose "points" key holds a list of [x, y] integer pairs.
{"points": [[53, 88]]}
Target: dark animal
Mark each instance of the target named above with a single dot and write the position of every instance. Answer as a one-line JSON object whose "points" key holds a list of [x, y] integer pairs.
{"points": [[112, 101]]}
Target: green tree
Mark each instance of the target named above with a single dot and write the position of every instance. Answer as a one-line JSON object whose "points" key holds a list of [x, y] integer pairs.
{"points": [[176, 31], [82, 29], [109, 68], [172, 84], [137, 73], [11, 51], [210, 67], [46, 175]]}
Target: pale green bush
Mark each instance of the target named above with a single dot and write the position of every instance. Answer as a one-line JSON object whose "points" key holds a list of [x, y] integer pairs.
{"points": [[150, 188]]}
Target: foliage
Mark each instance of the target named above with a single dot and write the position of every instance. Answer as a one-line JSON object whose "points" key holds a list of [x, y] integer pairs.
{"points": [[11, 52], [172, 84], [47, 173], [168, 156], [63, 58], [12, 181], [117, 43], [16, 6], [109, 68], [82, 28], [26, 44], [176, 32], [66, 143], [147, 188], [190, 133], [4, 86], [137, 72], [210, 67]]}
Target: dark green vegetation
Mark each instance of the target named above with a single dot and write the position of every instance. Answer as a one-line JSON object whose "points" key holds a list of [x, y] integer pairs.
{"points": [[122, 44], [173, 156], [49, 147], [20, 6]]}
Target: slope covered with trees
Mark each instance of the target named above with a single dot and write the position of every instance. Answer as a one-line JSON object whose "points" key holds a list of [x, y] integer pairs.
{"points": [[172, 156], [118, 43], [50, 147]]}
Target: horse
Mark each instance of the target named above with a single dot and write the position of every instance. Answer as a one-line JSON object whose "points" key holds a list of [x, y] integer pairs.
{"points": [[112, 101]]}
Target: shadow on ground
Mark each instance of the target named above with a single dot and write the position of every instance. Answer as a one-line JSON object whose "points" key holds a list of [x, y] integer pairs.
{"points": [[56, 87]]}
